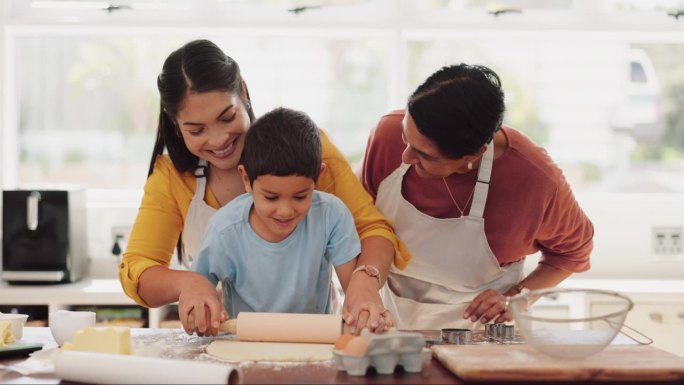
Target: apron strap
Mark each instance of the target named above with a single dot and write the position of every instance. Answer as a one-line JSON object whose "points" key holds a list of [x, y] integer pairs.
{"points": [[402, 169], [197, 202], [201, 178], [482, 185]]}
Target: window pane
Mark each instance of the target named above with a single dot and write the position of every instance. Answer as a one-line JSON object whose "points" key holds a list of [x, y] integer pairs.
{"points": [[489, 5], [641, 5], [610, 128], [202, 12], [90, 116]]}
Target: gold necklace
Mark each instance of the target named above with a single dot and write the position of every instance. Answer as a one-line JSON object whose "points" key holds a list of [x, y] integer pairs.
{"points": [[454, 200]]}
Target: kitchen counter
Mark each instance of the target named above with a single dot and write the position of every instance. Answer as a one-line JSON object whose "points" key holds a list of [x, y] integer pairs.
{"points": [[658, 311], [183, 346], [627, 285], [321, 373], [87, 292]]}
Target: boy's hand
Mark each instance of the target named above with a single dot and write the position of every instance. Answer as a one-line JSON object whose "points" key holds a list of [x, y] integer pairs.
{"points": [[199, 307]]}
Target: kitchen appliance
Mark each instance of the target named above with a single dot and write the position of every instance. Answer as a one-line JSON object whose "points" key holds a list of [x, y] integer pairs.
{"points": [[44, 236]]}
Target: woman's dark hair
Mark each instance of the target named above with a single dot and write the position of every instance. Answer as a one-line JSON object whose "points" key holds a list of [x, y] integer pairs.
{"points": [[283, 142], [459, 108], [198, 66]]}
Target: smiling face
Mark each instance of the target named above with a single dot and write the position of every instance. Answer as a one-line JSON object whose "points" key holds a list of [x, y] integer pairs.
{"points": [[280, 203], [213, 125]]}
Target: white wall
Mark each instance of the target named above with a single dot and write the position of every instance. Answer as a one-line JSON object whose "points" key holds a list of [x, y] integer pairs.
{"points": [[107, 209], [622, 244], [623, 225]]}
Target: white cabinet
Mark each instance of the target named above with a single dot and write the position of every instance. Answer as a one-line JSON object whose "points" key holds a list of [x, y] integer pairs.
{"points": [[659, 316], [557, 307], [100, 293]]}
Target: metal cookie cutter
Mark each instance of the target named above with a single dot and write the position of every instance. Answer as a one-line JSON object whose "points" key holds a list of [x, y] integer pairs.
{"points": [[457, 336], [500, 332]]}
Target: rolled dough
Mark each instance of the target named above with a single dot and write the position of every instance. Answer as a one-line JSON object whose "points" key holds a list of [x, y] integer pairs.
{"points": [[269, 351]]}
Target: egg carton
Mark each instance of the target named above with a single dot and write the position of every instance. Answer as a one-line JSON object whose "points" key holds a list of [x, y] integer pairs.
{"points": [[385, 352]]}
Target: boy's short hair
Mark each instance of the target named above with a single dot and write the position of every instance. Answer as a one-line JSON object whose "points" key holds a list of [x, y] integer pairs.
{"points": [[283, 142]]}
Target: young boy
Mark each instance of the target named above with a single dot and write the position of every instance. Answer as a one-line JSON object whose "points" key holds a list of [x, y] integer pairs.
{"points": [[273, 247]]}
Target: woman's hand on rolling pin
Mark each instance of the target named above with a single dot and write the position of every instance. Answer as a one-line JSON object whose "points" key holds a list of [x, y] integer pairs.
{"points": [[363, 306], [486, 306], [199, 307]]}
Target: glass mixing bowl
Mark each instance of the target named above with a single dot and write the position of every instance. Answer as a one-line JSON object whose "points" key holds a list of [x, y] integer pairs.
{"points": [[566, 335]]}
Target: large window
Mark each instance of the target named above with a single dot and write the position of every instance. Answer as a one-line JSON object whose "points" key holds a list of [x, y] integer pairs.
{"points": [[598, 83], [604, 107], [90, 116]]}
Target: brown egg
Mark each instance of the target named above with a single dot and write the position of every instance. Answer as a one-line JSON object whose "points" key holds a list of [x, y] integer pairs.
{"points": [[343, 340], [356, 346]]}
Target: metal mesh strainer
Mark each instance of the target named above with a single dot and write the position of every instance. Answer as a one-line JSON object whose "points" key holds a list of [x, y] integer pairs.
{"points": [[568, 336]]}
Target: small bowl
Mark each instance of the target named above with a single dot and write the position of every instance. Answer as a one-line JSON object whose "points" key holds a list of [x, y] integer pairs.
{"points": [[18, 321], [64, 323], [573, 337]]}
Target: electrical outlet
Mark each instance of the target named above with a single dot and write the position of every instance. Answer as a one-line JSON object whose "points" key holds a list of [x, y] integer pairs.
{"points": [[120, 236], [667, 242]]}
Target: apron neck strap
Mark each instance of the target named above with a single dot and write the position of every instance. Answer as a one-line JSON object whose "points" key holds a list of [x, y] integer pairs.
{"points": [[482, 185], [201, 178]]}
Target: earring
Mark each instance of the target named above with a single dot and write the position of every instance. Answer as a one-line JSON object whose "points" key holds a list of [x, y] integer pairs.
{"points": [[470, 165]]}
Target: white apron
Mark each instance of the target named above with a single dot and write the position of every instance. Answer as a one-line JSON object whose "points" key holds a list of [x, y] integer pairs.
{"points": [[452, 261], [197, 218]]}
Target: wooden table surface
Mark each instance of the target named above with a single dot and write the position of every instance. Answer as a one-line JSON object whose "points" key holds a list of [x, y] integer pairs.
{"points": [[314, 373]]}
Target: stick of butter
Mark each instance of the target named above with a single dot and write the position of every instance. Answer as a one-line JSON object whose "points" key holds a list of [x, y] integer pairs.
{"points": [[101, 339], [6, 336]]}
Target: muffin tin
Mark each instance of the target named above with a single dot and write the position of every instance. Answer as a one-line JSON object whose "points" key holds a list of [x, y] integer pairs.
{"points": [[385, 352]]}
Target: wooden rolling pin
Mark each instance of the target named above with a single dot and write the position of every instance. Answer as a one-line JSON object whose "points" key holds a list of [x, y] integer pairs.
{"points": [[285, 327]]}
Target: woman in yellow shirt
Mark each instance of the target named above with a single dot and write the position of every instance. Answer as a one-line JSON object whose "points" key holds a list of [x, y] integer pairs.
{"points": [[205, 111]]}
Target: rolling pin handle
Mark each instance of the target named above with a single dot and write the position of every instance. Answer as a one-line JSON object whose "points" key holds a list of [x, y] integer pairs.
{"points": [[229, 326]]}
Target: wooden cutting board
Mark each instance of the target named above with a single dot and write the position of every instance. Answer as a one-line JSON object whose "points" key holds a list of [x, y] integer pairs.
{"points": [[523, 363]]}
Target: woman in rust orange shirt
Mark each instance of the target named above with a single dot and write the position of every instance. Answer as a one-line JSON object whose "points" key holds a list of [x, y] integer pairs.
{"points": [[470, 198]]}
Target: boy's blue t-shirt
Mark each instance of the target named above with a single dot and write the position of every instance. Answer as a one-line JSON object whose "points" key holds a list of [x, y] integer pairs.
{"points": [[291, 276]]}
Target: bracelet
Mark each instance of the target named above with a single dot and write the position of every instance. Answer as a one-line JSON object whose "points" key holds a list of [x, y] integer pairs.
{"points": [[518, 288], [370, 270]]}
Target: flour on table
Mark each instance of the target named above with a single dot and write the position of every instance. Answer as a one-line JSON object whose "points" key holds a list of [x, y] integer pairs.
{"points": [[269, 351]]}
